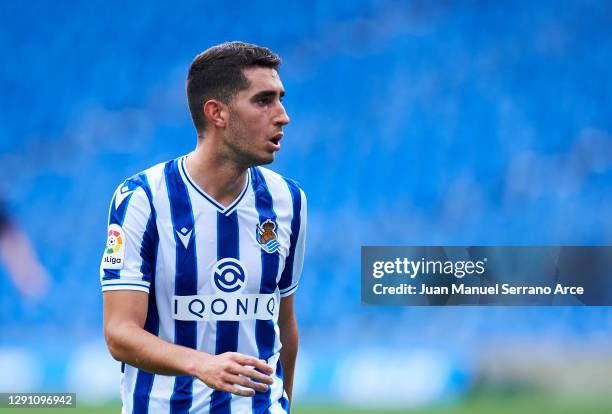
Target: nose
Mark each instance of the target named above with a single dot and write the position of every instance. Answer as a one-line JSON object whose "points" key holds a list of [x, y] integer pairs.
{"points": [[282, 118]]}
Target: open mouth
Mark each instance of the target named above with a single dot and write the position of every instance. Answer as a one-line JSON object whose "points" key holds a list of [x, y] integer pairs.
{"points": [[276, 139]]}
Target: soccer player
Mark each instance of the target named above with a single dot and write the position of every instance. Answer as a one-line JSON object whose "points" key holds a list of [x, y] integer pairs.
{"points": [[204, 253]]}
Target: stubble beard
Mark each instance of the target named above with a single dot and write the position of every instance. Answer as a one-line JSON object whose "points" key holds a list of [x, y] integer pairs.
{"points": [[237, 144]]}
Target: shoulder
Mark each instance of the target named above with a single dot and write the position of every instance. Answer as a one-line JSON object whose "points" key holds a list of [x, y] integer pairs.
{"points": [[280, 184], [148, 181], [139, 191]]}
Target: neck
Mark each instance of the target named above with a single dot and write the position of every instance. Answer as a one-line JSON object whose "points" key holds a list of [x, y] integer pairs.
{"points": [[221, 178]]}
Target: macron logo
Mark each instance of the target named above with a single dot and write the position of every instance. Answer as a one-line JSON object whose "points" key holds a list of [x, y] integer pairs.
{"points": [[184, 235], [122, 195]]}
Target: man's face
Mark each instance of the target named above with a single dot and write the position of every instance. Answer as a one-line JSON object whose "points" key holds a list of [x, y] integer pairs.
{"points": [[257, 118]]}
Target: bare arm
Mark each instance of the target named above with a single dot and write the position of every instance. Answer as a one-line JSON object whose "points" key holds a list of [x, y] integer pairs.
{"points": [[289, 339], [125, 313]]}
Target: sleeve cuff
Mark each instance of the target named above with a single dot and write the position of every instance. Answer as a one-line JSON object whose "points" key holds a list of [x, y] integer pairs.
{"points": [[119, 284], [289, 291]]}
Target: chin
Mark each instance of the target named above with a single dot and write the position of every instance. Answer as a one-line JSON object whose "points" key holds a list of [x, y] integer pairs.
{"points": [[262, 160], [267, 159]]}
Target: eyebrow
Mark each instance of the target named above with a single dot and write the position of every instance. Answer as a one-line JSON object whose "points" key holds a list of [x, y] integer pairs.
{"points": [[265, 94]]}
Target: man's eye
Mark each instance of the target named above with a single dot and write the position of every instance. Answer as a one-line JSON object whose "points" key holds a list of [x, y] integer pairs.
{"points": [[264, 101]]}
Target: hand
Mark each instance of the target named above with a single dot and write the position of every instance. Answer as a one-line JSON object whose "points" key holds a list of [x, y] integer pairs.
{"points": [[226, 371]]}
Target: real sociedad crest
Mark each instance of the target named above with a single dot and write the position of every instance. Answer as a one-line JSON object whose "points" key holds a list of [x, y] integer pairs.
{"points": [[266, 236]]}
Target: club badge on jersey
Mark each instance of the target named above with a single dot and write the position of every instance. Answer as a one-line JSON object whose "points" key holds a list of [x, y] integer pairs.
{"points": [[266, 236]]}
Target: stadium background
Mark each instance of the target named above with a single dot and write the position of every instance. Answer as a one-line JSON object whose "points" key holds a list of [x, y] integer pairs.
{"points": [[412, 123]]}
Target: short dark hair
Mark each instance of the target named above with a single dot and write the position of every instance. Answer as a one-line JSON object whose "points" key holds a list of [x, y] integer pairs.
{"points": [[217, 73]]}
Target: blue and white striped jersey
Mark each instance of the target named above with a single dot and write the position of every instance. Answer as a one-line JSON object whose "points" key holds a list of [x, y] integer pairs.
{"points": [[214, 275]]}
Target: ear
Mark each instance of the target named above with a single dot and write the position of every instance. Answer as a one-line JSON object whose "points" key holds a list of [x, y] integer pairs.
{"points": [[216, 113]]}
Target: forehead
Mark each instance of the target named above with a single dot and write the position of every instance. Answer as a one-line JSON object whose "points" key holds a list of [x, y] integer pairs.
{"points": [[261, 79]]}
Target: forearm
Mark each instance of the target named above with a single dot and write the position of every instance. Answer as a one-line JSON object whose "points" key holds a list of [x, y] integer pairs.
{"points": [[133, 345], [130, 343], [289, 340]]}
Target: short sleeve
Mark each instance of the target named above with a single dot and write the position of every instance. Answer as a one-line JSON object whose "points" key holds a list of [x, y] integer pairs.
{"points": [[295, 259], [129, 254]]}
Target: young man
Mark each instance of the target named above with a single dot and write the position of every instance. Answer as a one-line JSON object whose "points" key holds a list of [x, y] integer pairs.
{"points": [[204, 253]]}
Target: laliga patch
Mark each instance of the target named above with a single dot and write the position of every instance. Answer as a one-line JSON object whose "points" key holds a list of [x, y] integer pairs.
{"points": [[115, 248]]}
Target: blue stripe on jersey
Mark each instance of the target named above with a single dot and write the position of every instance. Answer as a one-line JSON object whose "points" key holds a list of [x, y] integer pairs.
{"points": [[148, 254], [282, 400], [148, 250], [116, 216], [227, 331], [186, 277], [264, 330], [150, 239], [287, 276]]}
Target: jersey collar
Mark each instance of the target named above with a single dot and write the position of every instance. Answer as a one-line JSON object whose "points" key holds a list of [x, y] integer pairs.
{"points": [[223, 210]]}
